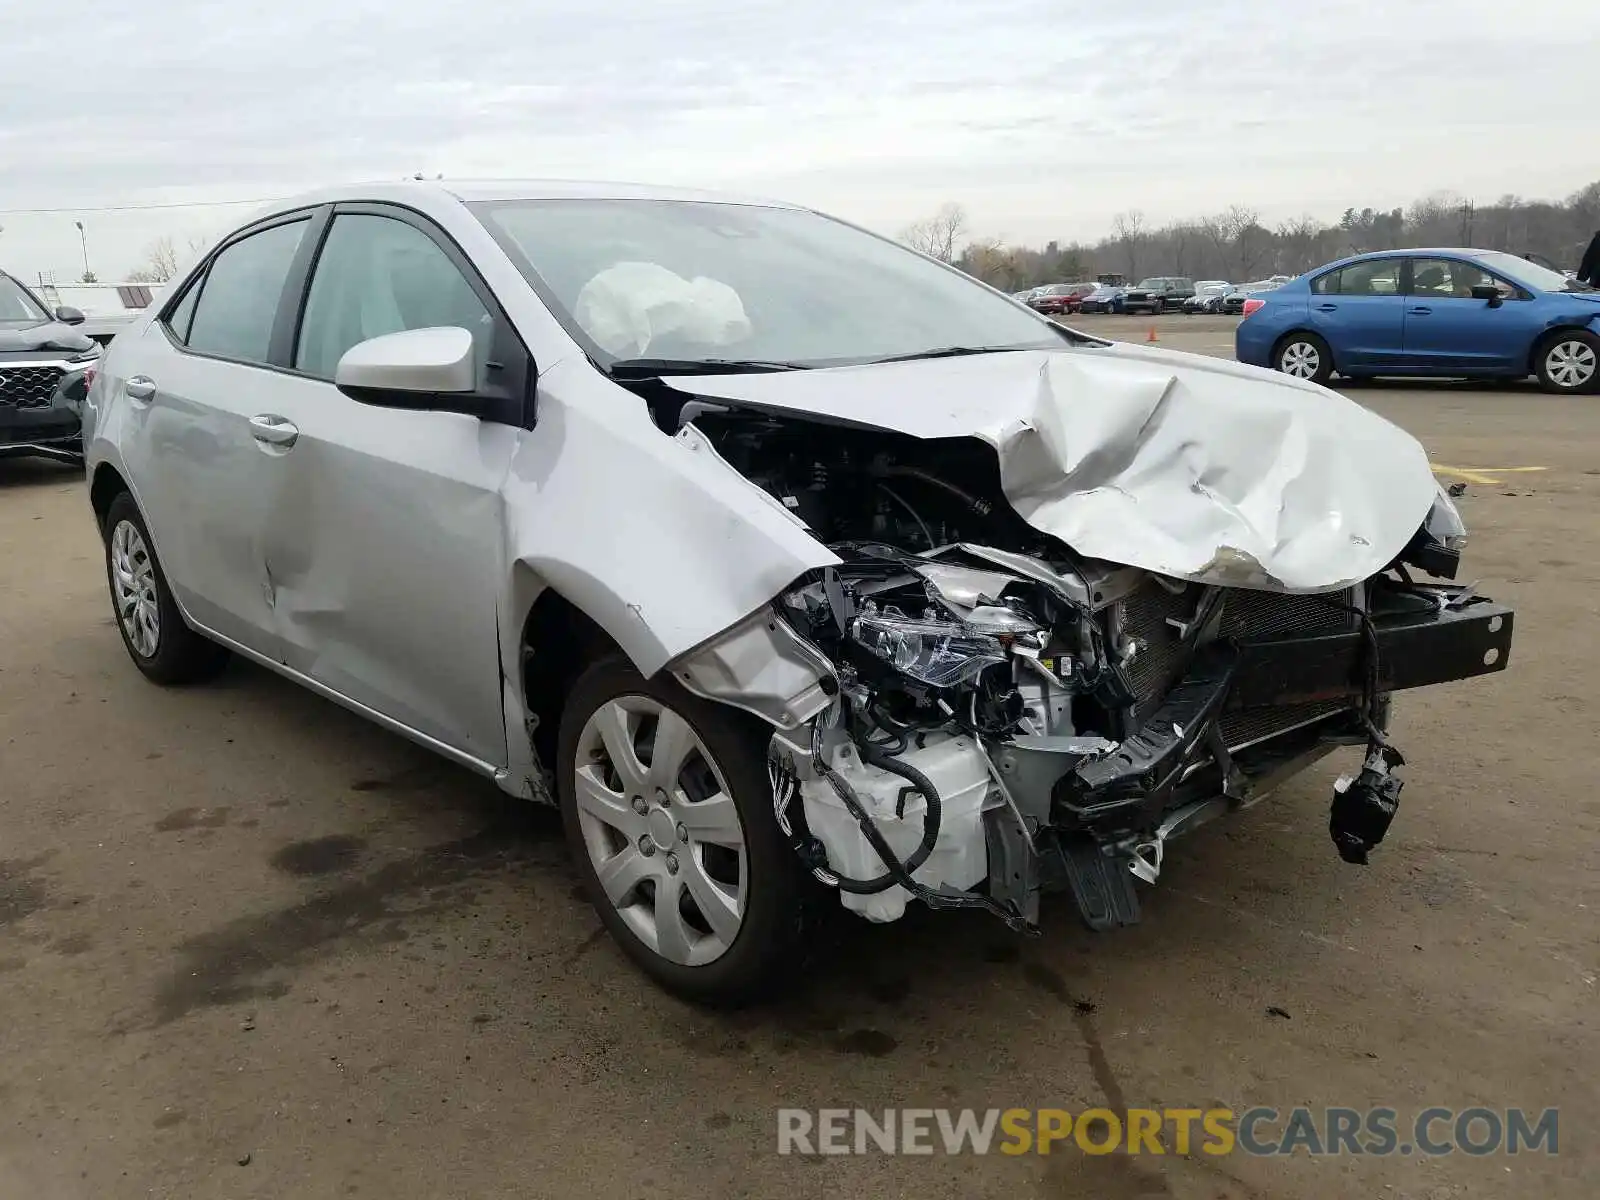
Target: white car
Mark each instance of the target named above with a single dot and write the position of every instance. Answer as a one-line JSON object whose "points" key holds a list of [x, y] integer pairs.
{"points": [[790, 563], [1208, 296]]}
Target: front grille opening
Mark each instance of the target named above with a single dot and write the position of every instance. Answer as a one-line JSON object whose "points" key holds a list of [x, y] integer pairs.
{"points": [[29, 387], [1246, 726], [1160, 658]]}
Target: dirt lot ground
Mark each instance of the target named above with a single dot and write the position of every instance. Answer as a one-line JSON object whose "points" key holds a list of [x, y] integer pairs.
{"points": [[253, 947]]}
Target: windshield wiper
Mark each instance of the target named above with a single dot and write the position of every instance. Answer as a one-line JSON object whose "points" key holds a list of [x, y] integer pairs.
{"points": [[646, 368], [950, 352]]}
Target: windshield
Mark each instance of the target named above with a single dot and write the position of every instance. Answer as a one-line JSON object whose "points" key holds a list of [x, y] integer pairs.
{"points": [[1530, 273], [16, 306], [707, 282]]}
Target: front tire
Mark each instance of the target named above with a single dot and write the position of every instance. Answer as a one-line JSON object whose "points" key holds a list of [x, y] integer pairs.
{"points": [[667, 806], [158, 640], [1304, 356], [1568, 362]]}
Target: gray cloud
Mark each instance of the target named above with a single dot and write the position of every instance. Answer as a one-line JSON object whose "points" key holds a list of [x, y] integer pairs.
{"points": [[1042, 118]]}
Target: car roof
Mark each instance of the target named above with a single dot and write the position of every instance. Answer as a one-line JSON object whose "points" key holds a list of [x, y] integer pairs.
{"points": [[469, 191], [1408, 252]]}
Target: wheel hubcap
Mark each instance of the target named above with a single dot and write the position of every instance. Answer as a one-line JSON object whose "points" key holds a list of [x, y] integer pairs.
{"points": [[1300, 359], [133, 588], [1570, 364], [661, 829]]}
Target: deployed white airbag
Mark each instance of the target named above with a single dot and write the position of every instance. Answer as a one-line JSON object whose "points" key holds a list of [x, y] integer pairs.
{"points": [[629, 305]]}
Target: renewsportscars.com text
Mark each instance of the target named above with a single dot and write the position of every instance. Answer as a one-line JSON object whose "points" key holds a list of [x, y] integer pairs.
{"points": [[1259, 1131]]}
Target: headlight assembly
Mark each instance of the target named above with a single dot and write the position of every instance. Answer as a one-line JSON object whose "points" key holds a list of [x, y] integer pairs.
{"points": [[938, 653], [1444, 524]]}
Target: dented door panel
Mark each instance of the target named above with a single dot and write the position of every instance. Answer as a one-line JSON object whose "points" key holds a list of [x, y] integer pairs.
{"points": [[381, 544]]}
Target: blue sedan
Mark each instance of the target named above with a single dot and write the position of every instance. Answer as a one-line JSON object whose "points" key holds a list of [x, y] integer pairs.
{"points": [[1459, 313]]}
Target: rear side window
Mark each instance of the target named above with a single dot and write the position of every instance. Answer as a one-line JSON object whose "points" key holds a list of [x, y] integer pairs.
{"points": [[239, 299], [1379, 277]]}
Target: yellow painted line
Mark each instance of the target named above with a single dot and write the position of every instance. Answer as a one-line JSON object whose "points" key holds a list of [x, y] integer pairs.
{"points": [[1484, 476]]}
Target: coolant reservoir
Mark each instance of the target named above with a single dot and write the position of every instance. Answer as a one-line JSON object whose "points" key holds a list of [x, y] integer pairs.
{"points": [[956, 767]]}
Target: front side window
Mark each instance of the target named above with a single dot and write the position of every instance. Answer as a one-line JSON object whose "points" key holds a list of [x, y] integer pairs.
{"points": [[1451, 278], [182, 315], [16, 306], [239, 298], [697, 281], [378, 275]]}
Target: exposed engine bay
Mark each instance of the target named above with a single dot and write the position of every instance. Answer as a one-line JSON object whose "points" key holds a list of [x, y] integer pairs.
{"points": [[1006, 717]]}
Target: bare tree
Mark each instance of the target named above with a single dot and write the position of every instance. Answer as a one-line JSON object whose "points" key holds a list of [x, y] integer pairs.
{"points": [[1127, 228], [938, 235], [1436, 219], [1181, 237], [160, 262], [994, 263], [1296, 237], [1238, 237]]}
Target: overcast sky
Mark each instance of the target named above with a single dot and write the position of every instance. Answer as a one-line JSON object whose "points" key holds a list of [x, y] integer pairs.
{"points": [[1041, 117]]}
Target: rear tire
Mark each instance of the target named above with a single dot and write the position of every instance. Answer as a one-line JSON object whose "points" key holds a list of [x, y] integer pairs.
{"points": [[160, 643], [656, 907], [1568, 363], [1304, 356]]}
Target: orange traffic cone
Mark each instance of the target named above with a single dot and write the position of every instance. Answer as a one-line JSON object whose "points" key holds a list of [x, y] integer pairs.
{"points": [[1151, 336]]}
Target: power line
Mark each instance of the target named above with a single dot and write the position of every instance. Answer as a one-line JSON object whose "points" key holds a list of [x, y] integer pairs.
{"points": [[105, 208]]}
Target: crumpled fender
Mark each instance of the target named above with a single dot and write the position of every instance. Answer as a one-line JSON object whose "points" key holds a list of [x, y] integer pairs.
{"points": [[655, 538]]}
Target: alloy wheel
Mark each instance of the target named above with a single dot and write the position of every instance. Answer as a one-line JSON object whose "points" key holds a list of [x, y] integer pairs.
{"points": [[661, 829], [1570, 364], [133, 582], [1300, 359]]}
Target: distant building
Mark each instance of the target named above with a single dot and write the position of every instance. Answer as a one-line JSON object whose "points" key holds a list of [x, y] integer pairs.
{"points": [[107, 307]]}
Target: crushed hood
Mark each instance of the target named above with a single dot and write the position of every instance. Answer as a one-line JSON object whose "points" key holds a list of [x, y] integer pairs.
{"points": [[1196, 468], [45, 336]]}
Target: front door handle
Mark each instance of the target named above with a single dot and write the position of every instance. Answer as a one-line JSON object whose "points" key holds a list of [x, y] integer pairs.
{"points": [[141, 388], [1327, 308], [1419, 310], [273, 431]]}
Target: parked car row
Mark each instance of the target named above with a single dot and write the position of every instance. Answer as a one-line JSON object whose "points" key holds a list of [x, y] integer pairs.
{"points": [[1150, 296]]}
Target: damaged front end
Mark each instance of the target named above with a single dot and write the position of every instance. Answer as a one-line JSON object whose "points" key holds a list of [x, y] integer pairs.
{"points": [[970, 714]]}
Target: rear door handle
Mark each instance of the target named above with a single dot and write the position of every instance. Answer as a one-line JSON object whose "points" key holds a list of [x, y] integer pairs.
{"points": [[273, 431], [1327, 308], [1419, 310], [141, 388]]}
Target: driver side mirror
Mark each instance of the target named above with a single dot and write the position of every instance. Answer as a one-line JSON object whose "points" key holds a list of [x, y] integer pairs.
{"points": [[419, 369], [68, 315], [1489, 292]]}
